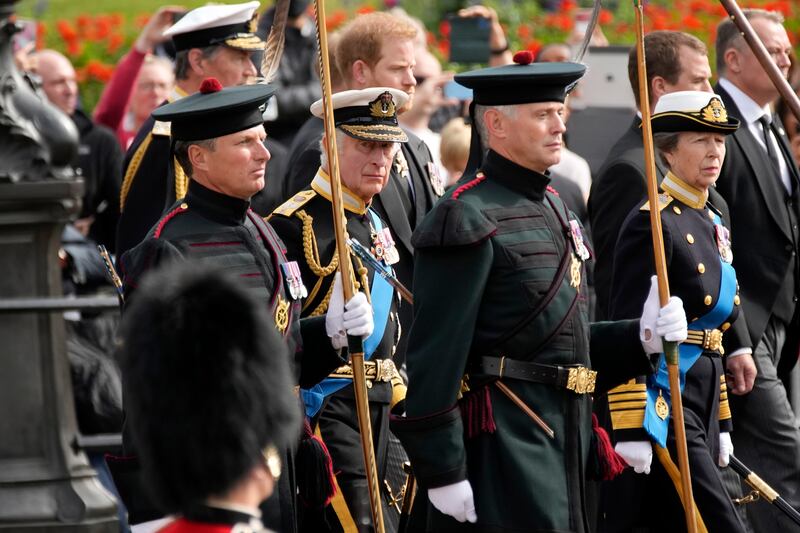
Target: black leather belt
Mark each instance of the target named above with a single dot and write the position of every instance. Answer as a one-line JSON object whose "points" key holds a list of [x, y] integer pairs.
{"points": [[578, 379]]}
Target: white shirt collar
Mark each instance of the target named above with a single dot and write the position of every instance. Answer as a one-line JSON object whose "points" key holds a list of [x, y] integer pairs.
{"points": [[749, 110]]}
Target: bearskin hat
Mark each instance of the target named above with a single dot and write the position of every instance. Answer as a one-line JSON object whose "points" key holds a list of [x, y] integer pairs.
{"points": [[206, 383]]}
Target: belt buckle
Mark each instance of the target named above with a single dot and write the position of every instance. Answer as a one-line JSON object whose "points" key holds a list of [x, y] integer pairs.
{"points": [[384, 369], [581, 380], [712, 340]]}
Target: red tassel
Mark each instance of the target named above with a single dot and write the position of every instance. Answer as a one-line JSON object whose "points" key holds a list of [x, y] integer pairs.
{"points": [[523, 57], [611, 463], [314, 470], [210, 85], [476, 412]]}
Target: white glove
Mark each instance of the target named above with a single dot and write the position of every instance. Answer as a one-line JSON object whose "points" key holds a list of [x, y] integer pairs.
{"points": [[357, 318], [455, 500], [725, 449], [668, 322], [637, 453], [354, 318]]}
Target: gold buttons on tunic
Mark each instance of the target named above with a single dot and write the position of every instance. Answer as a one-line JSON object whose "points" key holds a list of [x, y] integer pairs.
{"points": [[689, 238], [725, 326], [184, 205], [701, 267], [676, 209], [736, 300], [707, 300]]}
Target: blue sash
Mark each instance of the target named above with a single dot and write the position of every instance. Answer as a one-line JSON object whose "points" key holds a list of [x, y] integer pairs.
{"points": [[688, 354], [381, 294]]}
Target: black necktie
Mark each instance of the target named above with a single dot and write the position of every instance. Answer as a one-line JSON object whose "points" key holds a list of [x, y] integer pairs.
{"points": [[771, 155]]}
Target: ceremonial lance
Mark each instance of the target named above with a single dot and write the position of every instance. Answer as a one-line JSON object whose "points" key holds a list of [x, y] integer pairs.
{"points": [[355, 345], [670, 348]]}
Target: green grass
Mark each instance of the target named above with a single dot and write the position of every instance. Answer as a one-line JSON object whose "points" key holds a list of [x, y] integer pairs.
{"points": [[69, 9]]}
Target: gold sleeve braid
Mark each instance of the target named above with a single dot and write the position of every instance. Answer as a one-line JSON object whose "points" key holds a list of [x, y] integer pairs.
{"points": [[627, 404], [133, 166], [724, 407], [181, 180]]}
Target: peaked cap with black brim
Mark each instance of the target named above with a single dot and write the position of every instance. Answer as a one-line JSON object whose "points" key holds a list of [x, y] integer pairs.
{"points": [[214, 111], [695, 111]]}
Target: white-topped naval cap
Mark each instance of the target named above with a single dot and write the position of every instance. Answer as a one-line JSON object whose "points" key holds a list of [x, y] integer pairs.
{"points": [[367, 114], [697, 111], [360, 97], [684, 101], [217, 24]]}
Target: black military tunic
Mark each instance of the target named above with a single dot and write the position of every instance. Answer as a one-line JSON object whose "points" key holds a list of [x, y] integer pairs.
{"points": [[154, 180], [305, 225], [498, 281], [149, 182], [216, 229], [694, 244]]}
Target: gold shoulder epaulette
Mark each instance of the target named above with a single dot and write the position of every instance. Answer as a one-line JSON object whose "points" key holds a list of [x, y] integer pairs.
{"points": [[294, 203], [161, 128], [664, 200]]}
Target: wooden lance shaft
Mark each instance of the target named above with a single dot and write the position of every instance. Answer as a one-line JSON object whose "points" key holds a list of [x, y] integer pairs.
{"points": [[670, 348], [761, 53], [355, 345]]}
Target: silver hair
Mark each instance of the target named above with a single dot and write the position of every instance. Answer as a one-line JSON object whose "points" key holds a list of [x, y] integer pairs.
{"points": [[480, 124], [182, 65], [323, 153]]}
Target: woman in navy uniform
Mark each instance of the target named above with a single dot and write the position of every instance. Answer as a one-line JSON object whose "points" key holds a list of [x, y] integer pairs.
{"points": [[689, 131]]}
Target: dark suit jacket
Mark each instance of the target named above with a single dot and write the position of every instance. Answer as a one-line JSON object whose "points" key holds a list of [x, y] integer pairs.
{"points": [[621, 186], [761, 231]]}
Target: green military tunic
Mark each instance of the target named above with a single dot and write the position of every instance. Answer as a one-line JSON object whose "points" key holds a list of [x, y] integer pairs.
{"points": [[497, 274]]}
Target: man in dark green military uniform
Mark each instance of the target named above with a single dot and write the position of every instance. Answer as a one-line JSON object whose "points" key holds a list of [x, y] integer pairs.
{"points": [[367, 139], [501, 323], [219, 137]]}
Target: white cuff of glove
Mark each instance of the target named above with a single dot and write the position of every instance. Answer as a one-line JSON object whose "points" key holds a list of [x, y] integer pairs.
{"points": [[455, 500], [334, 323], [637, 453], [668, 322], [725, 449]]}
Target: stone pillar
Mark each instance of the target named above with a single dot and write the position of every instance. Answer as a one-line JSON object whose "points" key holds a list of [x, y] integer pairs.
{"points": [[46, 483]]}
